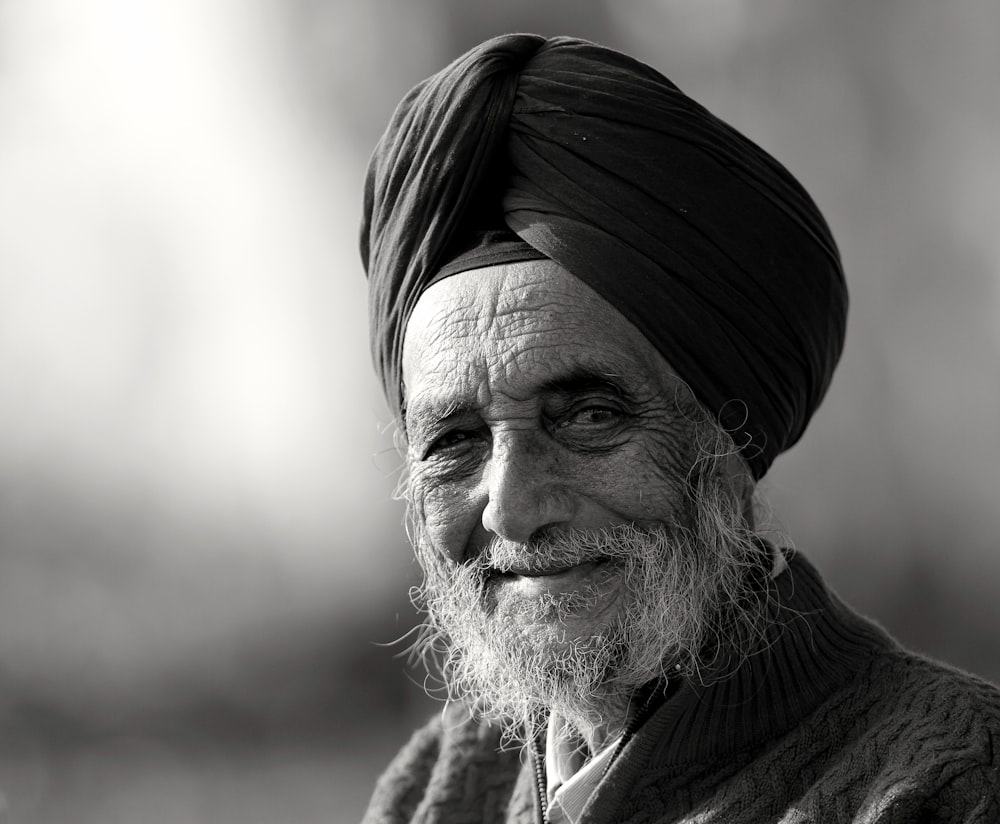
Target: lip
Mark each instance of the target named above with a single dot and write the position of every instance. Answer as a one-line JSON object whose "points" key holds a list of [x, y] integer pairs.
{"points": [[541, 573], [552, 575], [599, 581]]}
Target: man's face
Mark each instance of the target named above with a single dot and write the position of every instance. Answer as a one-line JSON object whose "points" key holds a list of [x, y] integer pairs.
{"points": [[537, 414]]}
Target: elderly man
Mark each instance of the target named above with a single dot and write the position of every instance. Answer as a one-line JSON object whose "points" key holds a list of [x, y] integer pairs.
{"points": [[600, 313]]}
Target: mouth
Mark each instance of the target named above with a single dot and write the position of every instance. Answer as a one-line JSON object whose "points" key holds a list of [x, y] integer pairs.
{"points": [[549, 572], [556, 593], [534, 581]]}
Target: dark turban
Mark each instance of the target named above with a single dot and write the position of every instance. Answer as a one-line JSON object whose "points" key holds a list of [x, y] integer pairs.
{"points": [[697, 236]]}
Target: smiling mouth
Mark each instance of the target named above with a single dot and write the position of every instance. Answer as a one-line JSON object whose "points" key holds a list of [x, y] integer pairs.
{"points": [[586, 589], [550, 572]]}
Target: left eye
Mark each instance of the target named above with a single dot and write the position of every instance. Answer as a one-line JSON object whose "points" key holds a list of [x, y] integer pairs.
{"points": [[591, 416]]}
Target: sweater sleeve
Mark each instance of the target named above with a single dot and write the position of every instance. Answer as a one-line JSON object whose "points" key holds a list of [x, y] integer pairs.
{"points": [[401, 788], [971, 797]]}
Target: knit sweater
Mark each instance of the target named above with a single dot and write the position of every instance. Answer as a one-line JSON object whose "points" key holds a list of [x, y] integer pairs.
{"points": [[834, 722]]}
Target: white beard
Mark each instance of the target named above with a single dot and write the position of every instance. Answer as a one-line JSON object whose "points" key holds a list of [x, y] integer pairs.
{"points": [[691, 601]]}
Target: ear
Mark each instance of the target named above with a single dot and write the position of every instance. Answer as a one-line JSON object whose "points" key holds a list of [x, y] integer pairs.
{"points": [[738, 474]]}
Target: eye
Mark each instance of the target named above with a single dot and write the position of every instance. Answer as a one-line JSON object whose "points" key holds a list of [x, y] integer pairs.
{"points": [[594, 415], [452, 441], [591, 414]]}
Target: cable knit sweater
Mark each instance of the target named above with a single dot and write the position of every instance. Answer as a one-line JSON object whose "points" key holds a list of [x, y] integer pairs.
{"points": [[835, 722]]}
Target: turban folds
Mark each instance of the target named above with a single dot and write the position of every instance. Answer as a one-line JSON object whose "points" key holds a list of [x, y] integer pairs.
{"points": [[701, 239]]}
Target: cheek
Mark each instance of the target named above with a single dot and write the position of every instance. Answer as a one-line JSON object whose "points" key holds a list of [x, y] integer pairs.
{"points": [[446, 517], [639, 491], [648, 481]]}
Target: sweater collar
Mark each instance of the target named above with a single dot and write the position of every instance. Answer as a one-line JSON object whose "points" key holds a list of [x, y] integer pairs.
{"points": [[815, 645]]}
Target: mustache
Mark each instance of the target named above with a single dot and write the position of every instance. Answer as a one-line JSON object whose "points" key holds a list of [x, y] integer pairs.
{"points": [[564, 548]]}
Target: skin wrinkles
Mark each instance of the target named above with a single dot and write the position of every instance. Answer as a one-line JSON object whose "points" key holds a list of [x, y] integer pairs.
{"points": [[533, 405]]}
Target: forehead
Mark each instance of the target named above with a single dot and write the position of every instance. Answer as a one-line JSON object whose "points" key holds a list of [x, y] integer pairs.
{"points": [[513, 327]]}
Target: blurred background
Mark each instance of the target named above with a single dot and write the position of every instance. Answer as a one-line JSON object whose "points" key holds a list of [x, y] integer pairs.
{"points": [[202, 570]]}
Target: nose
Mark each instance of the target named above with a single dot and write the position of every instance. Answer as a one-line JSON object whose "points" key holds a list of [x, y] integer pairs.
{"points": [[525, 487]]}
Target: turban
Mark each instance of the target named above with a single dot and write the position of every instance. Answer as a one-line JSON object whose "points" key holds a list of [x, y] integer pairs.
{"points": [[696, 235]]}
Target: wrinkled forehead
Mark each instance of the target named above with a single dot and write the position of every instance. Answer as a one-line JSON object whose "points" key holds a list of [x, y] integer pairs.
{"points": [[533, 288], [485, 305], [521, 324]]}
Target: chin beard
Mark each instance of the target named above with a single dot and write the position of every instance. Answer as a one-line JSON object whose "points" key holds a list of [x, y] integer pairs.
{"points": [[692, 603]]}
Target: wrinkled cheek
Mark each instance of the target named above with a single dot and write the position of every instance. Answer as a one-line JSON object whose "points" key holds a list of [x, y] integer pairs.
{"points": [[443, 520], [657, 481]]}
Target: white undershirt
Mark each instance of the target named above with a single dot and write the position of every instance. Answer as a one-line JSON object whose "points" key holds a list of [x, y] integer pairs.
{"points": [[570, 785]]}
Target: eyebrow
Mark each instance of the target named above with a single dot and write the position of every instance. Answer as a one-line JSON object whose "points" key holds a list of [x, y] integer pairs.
{"points": [[426, 417], [582, 380]]}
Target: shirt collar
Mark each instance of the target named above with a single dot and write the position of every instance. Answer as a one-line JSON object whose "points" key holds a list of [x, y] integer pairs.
{"points": [[571, 778]]}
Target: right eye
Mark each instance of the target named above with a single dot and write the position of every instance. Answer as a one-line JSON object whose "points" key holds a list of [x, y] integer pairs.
{"points": [[452, 441]]}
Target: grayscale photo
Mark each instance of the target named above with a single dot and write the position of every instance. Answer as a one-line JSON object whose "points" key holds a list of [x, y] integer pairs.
{"points": [[554, 412]]}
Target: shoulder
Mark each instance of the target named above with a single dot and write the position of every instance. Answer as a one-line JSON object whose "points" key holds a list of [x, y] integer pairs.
{"points": [[883, 691], [401, 787], [905, 739], [930, 701], [445, 764], [943, 723], [919, 739]]}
